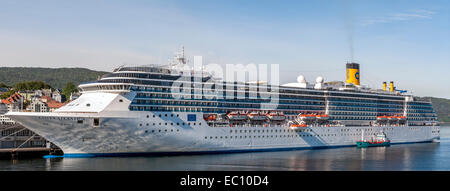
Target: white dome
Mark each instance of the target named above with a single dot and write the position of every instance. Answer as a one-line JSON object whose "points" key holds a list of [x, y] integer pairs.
{"points": [[319, 79], [301, 79]]}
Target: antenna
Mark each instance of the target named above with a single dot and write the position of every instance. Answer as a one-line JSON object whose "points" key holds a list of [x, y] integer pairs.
{"points": [[180, 56]]}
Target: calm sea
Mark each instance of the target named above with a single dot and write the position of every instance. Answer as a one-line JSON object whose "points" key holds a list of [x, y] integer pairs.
{"points": [[421, 156]]}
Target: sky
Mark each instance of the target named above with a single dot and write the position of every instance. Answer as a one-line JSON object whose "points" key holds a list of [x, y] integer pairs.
{"points": [[405, 41]]}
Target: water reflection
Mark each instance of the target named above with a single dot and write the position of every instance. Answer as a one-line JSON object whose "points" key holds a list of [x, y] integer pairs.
{"points": [[395, 157], [423, 156]]}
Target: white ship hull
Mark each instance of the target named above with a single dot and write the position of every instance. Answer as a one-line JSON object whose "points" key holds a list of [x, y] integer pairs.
{"points": [[132, 132]]}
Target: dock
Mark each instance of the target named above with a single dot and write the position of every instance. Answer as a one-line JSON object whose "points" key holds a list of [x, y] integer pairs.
{"points": [[31, 152]]}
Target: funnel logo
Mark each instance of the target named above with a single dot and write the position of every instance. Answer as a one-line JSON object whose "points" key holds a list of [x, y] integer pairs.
{"points": [[357, 75]]}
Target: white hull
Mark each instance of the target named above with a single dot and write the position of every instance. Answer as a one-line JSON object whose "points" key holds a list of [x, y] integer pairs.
{"points": [[128, 132]]}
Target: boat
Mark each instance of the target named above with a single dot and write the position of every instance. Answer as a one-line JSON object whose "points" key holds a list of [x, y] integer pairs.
{"points": [[296, 126], [276, 116], [257, 116], [392, 119], [380, 141], [322, 117], [210, 117], [147, 110], [307, 117], [234, 115], [382, 118], [401, 118]]}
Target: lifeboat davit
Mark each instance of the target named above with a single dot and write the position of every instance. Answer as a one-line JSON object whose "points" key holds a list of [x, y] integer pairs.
{"points": [[257, 116], [237, 116], [276, 116]]}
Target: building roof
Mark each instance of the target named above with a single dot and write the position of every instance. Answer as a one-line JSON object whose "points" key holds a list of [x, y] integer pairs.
{"points": [[51, 103], [12, 99]]}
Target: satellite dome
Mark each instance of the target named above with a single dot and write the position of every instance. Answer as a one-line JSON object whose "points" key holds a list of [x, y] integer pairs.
{"points": [[301, 79], [319, 79]]}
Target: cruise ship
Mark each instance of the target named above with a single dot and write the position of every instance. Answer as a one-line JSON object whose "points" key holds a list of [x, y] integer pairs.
{"points": [[141, 110]]}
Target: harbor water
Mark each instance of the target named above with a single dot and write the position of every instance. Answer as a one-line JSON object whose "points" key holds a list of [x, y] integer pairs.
{"points": [[399, 157]]}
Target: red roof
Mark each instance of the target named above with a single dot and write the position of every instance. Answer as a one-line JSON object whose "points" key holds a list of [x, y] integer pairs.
{"points": [[12, 99], [51, 103], [55, 104]]}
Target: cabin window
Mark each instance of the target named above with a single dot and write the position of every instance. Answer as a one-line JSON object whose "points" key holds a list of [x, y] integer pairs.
{"points": [[96, 122], [80, 121]]}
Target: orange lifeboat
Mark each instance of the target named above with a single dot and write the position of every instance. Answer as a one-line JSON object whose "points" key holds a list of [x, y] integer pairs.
{"points": [[382, 118], [257, 116], [276, 116], [323, 117], [296, 126], [392, 118], [237, 116], [401, 118], [307, 117], [211, 117]]}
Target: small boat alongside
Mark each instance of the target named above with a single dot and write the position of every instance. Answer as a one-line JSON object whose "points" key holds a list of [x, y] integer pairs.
{"points": [[379, 141]]}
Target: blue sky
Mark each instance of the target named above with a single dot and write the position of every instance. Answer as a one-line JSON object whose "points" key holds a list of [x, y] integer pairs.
{"points": [[403, 41]]}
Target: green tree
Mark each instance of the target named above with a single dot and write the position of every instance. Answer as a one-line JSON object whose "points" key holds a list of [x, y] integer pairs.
{"points": [[2, 85], [69, 89], [7, 94], [31, 85]]}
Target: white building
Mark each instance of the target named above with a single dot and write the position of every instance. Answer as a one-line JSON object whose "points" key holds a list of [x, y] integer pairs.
{"points": [[56, 95], [3, 119], [37, 105]]}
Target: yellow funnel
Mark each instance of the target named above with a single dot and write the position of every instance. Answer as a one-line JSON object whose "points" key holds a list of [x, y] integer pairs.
{"points": [[352, 72], [392, 86]]}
